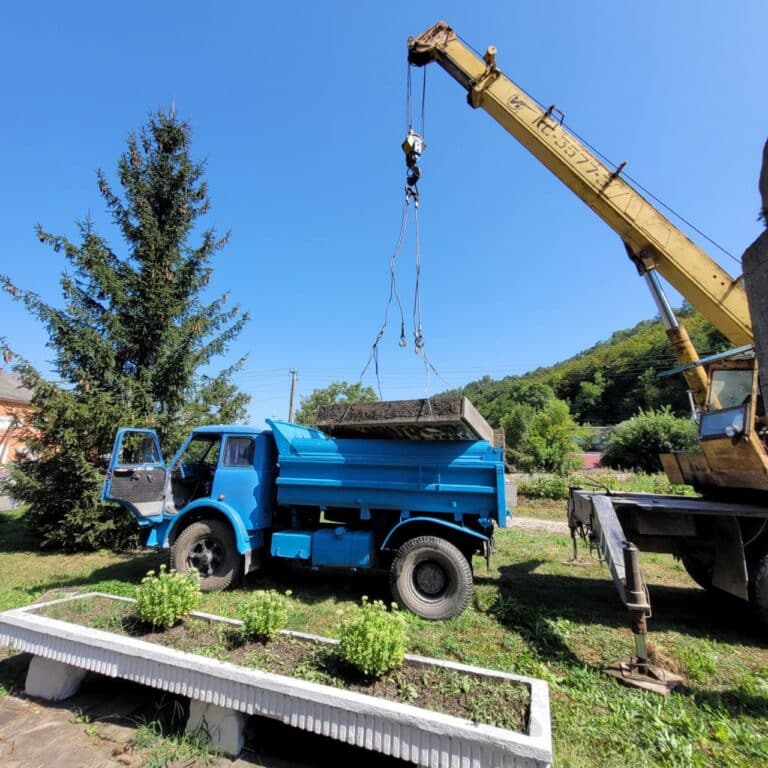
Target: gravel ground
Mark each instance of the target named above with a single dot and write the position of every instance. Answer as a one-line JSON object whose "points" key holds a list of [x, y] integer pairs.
{"points": [[534, 525]]}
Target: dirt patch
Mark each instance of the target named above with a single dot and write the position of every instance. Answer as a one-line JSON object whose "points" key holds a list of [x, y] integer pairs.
{"points": [[535, 525], [501, 703]]}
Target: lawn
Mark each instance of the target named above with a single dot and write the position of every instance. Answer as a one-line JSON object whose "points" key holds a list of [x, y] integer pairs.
{"points": [[533, 614]]}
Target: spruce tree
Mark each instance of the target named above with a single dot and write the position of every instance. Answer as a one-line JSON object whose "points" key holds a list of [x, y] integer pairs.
{"points": [[129, 340]]}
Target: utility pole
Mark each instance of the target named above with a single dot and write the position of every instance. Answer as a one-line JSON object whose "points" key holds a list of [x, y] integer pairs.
{"points": [[294, 377]]}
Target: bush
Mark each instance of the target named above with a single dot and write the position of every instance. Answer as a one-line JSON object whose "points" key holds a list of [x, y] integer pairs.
{"points": [[544, 487], [540, 438], [637, 443], [373, 640], [264, 614], [164, 598]]}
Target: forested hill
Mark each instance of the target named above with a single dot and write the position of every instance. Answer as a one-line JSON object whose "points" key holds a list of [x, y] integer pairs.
{"points": [[610, 381]]}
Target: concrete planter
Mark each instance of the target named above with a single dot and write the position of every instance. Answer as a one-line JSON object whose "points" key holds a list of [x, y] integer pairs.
{"points": [[399, 730]]}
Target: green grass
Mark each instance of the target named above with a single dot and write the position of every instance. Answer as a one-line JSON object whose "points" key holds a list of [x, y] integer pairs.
{"points": [[532, 614], [158, 749]]}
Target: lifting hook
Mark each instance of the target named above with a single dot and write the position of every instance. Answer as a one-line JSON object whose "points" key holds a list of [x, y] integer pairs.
{"points": [[413, 146]]}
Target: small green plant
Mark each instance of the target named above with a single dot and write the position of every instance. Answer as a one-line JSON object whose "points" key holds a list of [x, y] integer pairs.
{"points": [[165, 597], [373, 639], [264, 614]]}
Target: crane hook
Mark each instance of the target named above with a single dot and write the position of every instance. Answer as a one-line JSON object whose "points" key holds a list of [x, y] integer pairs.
{"points": [[413, 146]]}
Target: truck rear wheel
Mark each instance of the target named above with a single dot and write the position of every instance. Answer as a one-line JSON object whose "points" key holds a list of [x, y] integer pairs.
{"points": [[431, 578], [699, 570], [208, 547]]}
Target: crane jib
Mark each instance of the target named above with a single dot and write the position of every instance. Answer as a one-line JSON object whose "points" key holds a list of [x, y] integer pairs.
{"points": [[655, 241]]}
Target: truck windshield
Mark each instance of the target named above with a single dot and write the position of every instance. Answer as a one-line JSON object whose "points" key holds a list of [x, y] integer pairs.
{"points": [[729, 388], [202, 449]]}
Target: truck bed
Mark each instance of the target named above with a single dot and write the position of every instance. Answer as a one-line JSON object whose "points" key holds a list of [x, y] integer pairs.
{"points": [[451, 477]]}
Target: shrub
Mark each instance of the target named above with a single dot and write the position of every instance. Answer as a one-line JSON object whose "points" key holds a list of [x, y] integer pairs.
{"points": [[540, 438], [165, 597], [373, 640], [264, 614], [637, 443], [544, 487]]}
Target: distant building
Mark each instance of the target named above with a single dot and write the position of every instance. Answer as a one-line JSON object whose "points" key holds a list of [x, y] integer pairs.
{"points": [[15, 407]]}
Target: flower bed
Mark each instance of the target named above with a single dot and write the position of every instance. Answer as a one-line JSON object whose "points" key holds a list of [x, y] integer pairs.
{"points": [[203, 658]]}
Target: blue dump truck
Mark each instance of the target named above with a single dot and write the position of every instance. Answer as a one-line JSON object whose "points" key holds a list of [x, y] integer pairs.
{"points": [[235, 497]]}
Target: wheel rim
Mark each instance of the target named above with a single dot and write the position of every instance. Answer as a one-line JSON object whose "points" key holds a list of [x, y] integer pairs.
{"points": [[430, 579], [206, 556]]}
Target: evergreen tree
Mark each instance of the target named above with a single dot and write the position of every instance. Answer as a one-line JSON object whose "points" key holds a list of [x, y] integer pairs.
{"points": [[129, 341]]}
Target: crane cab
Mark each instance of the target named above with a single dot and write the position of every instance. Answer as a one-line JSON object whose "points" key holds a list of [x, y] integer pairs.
{"points": [[732, 430]]}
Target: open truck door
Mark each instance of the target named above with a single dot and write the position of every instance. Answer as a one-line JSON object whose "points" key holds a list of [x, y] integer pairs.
{"points": [[136, 474]]}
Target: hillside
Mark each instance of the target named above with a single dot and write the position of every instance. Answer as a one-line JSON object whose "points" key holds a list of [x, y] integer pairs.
{"points": [[610, 381]]}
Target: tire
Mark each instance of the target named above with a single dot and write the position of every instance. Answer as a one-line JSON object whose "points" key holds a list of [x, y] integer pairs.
{"points": [[699, 570], [208, 547], [431, 577], [758, 589]]}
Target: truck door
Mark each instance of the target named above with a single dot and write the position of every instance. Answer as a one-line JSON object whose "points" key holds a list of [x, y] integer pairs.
{"points": [[244, 478], [136, 473]]}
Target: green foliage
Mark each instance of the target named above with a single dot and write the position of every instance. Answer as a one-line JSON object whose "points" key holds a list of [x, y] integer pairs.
{"points": [[160, 747], [636, 482], [556, 486], [544, 487], [496, 399], [373, 640], [539, 430], [608, 382], [587, 402], [129, 339], [165, 597], [264, 613], [337, 392], [637, 442], [540, 439]]}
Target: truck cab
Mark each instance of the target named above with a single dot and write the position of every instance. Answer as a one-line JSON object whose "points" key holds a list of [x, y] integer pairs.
{"points": [[732, 433], [210, 504]]}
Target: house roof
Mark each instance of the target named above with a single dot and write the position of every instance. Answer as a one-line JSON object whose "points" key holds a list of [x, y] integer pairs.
{"points": [[11, 389]]}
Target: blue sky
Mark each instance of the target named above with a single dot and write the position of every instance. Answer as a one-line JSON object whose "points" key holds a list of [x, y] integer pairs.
{"points": [[299, 111]]}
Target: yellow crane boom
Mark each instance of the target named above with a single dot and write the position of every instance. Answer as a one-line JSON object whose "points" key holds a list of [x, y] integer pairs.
{"points": [[651, 239]]}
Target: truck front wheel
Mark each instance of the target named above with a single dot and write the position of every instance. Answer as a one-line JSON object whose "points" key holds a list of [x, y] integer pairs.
{"points": [[208, 547], [431, 578]]}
